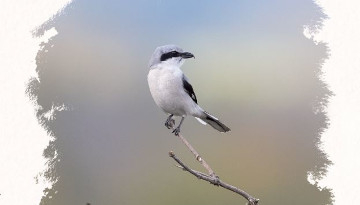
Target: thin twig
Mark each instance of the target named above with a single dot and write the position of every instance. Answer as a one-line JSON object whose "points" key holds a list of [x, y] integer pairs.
{"points": [[197, 156], [214, 180]]}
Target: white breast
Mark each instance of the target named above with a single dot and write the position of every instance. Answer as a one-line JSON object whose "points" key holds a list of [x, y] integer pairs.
{"points": [[165, 83]]}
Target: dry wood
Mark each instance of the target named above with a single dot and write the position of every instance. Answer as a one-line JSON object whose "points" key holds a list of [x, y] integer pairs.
{"points": [[212, 178]]}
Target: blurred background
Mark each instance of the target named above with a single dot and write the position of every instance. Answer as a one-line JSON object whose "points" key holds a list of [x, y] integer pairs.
{"points": [[254, 69]]}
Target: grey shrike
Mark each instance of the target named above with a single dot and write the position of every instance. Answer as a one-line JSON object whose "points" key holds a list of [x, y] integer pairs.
{"points": [[172, 91]]}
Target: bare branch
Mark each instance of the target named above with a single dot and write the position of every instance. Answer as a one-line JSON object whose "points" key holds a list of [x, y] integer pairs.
{"points": [[197, 156], [212, 178]]}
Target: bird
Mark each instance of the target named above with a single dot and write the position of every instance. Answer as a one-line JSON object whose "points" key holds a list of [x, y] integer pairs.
{"points": [[172, 91]]}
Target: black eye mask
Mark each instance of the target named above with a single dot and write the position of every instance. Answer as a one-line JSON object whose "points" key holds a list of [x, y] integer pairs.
{"points": [[171, 54]]}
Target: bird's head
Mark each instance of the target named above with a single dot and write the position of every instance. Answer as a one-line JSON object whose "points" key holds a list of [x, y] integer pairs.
{"points": [[169, 54]]}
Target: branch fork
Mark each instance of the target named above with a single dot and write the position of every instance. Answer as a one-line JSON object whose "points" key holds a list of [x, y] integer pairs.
{"points": [[211, 176]]}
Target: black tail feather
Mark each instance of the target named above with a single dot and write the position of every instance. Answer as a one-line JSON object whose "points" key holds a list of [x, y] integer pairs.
{"points": [[215, 123]]}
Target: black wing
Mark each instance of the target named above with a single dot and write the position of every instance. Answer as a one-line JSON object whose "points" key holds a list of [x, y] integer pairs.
{"points": [[189, 89]]}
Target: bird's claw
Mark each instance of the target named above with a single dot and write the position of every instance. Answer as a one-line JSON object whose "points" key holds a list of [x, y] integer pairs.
{"points": [[170, 123], [176, 131]]}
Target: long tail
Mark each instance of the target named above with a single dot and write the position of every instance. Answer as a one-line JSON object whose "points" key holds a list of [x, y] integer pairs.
{"points": [[213, 122]]}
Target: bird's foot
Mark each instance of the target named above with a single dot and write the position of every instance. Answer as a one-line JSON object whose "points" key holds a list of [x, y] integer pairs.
{"points": [[170, 123], [176, 131]]}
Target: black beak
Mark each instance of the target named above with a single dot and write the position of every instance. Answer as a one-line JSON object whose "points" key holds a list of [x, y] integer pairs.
{"points": [[187, 55]]}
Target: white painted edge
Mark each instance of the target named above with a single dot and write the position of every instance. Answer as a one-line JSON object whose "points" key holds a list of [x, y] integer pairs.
{"points": [[341, 72], [22, 138]]}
